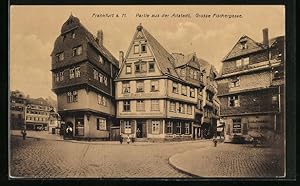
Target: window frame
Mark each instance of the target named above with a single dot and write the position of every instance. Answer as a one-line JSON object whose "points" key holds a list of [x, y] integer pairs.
{"points": [[140, 88], [151, 86], [169, 127], [152, 69], [136, 47], [178, 126], [126, 106], [234, 101], [174, 85], [143, 45], [125, 87], [128, 66], [155, 126], [140, 105], [187, 128], [155, 105], [98, 124]]}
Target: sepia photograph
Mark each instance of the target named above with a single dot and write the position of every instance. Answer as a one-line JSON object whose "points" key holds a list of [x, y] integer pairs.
{"points": [[147, 91]]}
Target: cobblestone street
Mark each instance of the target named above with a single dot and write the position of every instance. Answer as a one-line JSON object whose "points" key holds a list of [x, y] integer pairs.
{"points": [[59, 159], [38, 158]]}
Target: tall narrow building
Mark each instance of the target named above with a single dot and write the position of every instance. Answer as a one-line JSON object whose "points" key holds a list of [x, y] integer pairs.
{"points": [[251, 87], [83, 72], [156, 95]]}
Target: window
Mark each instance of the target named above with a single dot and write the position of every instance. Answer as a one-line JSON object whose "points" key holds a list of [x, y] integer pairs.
{"points": [[100, 59], [105, 80], [101, 100], [172, 106], [187, 128], [235, 82], [243, 45], [175, 88], [100, 77], [191, 73], [126, 106], [183, 72], [79, 126], [170, 127], [140, 86], [183, 90], [178, 128], [72, 97], [72, 74], [140, 67], [195, 74], [77, 51], [154, 85], [128, 69], [238, 62], [242, 62], [155, 126], [155, 105], [136, 49], [181, 108], [192, 92], [73, 35], [77, 72], [60, 56], [126, 87], [234, 101], [96, 75], [246, 61], [236, 126], [143, 48], [61, 76], [189, 109], [101, 124], [151, 67], [57, 77], [127, 126], [140, 105]]}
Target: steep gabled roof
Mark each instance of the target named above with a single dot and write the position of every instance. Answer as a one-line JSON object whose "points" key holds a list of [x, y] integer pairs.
{"points": [[181, 59], [163, 58], [253, 46], [38, 101], [74, 23]]}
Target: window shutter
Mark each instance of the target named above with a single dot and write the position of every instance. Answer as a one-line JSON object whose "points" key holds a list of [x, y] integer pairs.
{"points": [[149, 125], [160, 126], [122, 127], [132, 122]]}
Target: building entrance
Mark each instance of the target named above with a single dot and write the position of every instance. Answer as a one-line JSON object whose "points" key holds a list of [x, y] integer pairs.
{"points": [[140, 129]]}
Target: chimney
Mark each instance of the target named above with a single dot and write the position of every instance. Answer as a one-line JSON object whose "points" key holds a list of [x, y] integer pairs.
{"points": [[100, 37], [121, 57], [266, 37]]}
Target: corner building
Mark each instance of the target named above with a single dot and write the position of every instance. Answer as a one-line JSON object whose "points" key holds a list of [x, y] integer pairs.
{"points": [[153, 101], [251, 87], [83, 72]]}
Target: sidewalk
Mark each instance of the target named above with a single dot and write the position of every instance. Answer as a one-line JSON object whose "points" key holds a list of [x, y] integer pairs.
{"points": [[47, 136], [230, 160]]}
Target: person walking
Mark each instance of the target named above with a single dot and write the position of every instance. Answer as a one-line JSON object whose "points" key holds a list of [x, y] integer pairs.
{"points": [[128, 139], [121, 139]]}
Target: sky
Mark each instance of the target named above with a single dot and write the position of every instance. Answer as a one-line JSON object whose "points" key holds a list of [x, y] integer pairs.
{"points": [[33, 30]]}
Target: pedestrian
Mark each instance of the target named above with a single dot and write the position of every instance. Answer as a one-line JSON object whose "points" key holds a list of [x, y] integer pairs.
{"points": [[121, 139], [69, 132], [215, 140], [128, 139], [23, 132]]}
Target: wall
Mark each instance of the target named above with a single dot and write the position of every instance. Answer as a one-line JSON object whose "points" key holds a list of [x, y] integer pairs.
{"points": [[92, 98], [179, 96], [81, 104]]}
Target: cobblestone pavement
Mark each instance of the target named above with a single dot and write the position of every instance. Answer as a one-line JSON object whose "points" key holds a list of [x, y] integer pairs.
{"points": [[232, 160], [37, 158]]}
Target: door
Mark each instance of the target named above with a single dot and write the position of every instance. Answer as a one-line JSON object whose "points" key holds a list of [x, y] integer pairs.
{"points": [[140, 131], [115, 134]]}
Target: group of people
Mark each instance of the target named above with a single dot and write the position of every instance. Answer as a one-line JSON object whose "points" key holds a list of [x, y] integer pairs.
{"points": [[128, 140]]}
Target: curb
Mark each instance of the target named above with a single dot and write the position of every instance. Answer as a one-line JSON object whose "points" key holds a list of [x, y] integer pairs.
{"points": [[180, 169]]}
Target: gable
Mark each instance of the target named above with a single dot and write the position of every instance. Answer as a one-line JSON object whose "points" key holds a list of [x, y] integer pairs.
{"points": [[245, 45]]}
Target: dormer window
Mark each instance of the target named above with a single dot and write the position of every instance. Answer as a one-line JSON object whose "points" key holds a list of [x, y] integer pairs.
{"points": [[243, 45], [100, 59], [73, 35], [77, 51], [60, 56], [242, 62]]}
